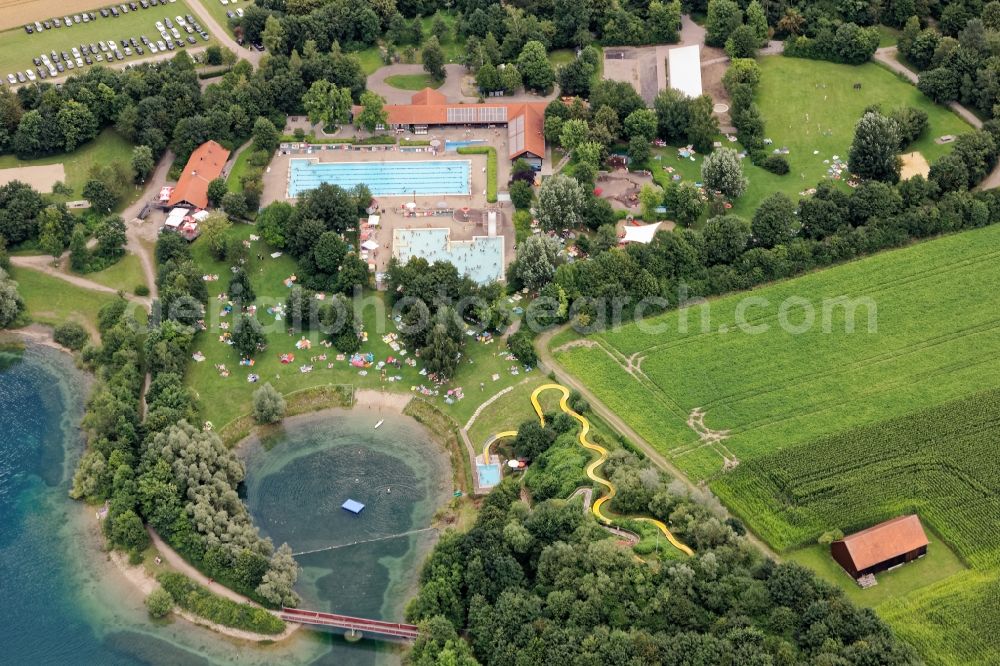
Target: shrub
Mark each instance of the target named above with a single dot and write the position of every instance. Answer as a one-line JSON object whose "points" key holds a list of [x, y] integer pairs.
{"points": [[491, 167], [71, 335], [194, 598], [776, 164], [141, 290], [268, 405], [520, 346], [159, 603]]}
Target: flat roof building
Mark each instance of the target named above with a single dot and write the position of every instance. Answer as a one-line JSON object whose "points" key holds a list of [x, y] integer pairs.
{"points": [[684, 70]]}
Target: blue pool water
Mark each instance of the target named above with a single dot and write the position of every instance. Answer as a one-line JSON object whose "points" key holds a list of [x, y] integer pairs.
{"points": [[382, 178], [481, 258], [489, 475], [453, 145]]}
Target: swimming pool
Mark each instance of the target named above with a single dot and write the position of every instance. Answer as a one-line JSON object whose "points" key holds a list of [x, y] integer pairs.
{"points": [[453, 145], [402, 178], [489, 475], [480, 258]]}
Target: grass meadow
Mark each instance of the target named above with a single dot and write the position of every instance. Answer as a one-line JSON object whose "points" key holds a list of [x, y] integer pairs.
{"points": [[125, 274], [52, 301], [412, 81]]}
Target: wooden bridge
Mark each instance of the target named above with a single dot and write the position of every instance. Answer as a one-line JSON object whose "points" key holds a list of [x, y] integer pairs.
{"points": [[356, 626]]}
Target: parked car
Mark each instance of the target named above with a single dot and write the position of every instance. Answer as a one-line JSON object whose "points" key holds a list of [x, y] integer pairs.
{"points": [[153, 3], [99, 58], [37, 61], [76, 18], [79, 62], [191, 40], [87, 59], [48, 25], [65, 56], [39, 27], [144, 4], [176, 33], [159, 26], [168, 22], [11, 79], [162, 44], [86, 17], [152, 47], [70, 64], [57, 22], [114, 12], [140, 50], [239, 12], [42, 75], [230, 14], [31, 75], [134, 7], [28, 29], [124, 8], [204, 36], [61, 67]]}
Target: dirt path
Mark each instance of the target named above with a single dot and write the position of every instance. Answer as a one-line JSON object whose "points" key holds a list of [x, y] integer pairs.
{"points": [[616, 422], [140, 233], [181, 565], [43, 264], [215, 29]]}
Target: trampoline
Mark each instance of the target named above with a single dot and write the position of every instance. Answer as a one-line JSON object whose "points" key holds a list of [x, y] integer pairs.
{"points": [[401, 178]]}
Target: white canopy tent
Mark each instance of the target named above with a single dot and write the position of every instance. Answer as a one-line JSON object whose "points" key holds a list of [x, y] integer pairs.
{"points": [[370, 245], [373, 220], [684, 70], [643, 234], [176, 216]]}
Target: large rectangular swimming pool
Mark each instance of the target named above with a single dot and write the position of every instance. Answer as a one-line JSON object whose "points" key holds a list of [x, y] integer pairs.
{"points": [[400, 178]]}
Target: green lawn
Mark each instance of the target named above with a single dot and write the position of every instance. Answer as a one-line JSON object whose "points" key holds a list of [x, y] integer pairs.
{"points": [[19, 47], [125, 275], [887, 36], [938, 564], [452, 46], [233, 182], [218, 12], [225, 398], [53, 301], [109, 146], [774, 389], [412, 81], [810, 105]]}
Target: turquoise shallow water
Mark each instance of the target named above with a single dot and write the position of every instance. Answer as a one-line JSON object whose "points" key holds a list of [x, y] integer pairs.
{"points": [[366, 564]]}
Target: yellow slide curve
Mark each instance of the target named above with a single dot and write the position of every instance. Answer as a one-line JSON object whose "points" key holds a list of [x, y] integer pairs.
{"points": [[591, 469]]}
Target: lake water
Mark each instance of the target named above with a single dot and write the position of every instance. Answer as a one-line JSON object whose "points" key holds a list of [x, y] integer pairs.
{"points": [[367, 564], [65, 603]]}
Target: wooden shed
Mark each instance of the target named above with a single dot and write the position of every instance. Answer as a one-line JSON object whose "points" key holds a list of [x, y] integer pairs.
{"points": [[881, 546]]}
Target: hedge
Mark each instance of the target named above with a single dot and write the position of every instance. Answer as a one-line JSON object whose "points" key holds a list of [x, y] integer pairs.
{"points": [[491, 167], [192, 597]]}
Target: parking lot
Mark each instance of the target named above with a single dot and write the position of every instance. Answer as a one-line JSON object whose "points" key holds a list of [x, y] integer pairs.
{"points": [[99, 39]]}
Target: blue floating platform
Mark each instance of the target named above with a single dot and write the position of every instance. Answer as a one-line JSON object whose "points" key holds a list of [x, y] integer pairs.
{"points": [[352, 506]]}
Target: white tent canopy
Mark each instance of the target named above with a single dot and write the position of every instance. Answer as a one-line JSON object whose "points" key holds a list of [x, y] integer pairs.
{"points": [[370, 245], [643, 234], [684, 69], [176, 216], [373, 220]]}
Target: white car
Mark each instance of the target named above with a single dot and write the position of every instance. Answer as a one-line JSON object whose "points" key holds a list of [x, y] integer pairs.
{"points": [[161, 44], [30, 74], [225, 2], [68, 21], [75, 51], [152, 47], [11, 79], [239, 12], [159, 26], [180, 20], [53, 72], [176, 33], [79, 62]]}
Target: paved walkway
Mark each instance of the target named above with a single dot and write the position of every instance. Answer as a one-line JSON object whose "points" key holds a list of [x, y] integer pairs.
{"points": [[549, 363], [221, 34]]}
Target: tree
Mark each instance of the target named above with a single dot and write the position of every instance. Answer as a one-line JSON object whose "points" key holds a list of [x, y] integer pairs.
{"points": [[373, 115], [683, 202], [51, 232], [247, 335], [111, 238], [265, 135], [742, 42], [142, 163], [433, 58], [574, 132], [575, 78], [79, 255], [240, 288], [650, 198], [874, 152], [703, 125], [273, 36], [536, 261], [560, 203], [520, 345], [757, 21], [273, 223], [76, 124], [721, 171], [339, 322], [235, 205], [664, 21], [11, 305], [535, 68], [641, 123], [71, 335], [510, 79], [159, 603], [521, 194], [277, 584], [214, 233], [672, 108], [217, 189], [268, 405], [639, 150], [726, 237], [724, 16], [774, 222], [488, 79], [100, 197], [444, 343]]}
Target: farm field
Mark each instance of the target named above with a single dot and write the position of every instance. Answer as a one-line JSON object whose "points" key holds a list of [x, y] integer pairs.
{"points": [[936, 331], [223, 399], [109, 146], [19, 47]]}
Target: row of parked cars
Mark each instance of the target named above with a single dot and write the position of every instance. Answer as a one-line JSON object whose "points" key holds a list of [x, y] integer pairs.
{"points": [[87, 17], [53, 64]]}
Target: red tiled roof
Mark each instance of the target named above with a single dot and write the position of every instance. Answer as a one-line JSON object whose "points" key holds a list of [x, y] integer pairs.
{"points": [[204, 166], [428, 96], [534, 124], [885, 541]]}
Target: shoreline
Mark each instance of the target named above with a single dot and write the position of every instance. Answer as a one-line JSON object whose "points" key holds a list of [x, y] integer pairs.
{"points": [[38, 334]]}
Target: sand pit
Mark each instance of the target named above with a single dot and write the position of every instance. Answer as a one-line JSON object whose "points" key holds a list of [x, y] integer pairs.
{"points": [[42, 178], [914, 164]]}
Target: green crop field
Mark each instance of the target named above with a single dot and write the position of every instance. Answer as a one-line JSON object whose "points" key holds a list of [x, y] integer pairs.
{"points": [[934, 308], [18, 47]]}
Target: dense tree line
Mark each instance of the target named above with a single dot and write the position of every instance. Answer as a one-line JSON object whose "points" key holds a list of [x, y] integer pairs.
{"points": [[544, 584]]}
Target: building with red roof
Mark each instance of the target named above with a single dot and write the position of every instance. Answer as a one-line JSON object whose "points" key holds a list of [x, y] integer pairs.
{"points": [[881, 546], [205, 165], [428, 108]]}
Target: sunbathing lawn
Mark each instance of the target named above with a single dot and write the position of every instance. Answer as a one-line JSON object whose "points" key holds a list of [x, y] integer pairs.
{"points": [[109, 146], [19, 47], [412, 81], [223, 399]]}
